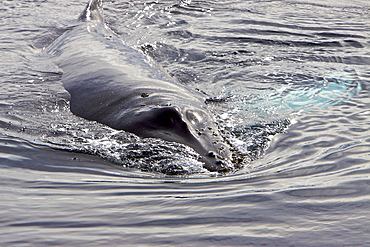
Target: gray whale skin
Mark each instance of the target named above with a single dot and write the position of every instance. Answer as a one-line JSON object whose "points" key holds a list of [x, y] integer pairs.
{"points": [[117, 85]]}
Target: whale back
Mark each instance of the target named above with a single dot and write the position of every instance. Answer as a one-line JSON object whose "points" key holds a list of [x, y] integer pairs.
{"points": [[117, 85]]}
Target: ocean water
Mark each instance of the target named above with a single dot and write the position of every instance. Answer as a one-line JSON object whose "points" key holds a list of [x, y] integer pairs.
{"points": [[288, 81]]}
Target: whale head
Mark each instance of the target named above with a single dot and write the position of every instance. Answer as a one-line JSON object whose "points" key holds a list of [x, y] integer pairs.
{"points": [[190, 126]]}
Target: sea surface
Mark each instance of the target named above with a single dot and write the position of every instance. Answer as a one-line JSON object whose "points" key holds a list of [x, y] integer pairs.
{"points": [[287, 80]]}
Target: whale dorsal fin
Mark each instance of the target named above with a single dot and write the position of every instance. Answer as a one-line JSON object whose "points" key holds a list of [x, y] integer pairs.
{"points": [[93, 11]]}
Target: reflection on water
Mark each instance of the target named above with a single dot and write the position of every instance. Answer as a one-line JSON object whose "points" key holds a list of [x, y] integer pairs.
{"points": [[287, 80]]}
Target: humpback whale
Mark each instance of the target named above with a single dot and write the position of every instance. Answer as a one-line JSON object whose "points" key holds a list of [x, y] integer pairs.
{"points": [[119, 86]]}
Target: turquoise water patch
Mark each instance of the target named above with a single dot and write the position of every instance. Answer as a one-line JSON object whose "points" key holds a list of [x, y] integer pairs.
{"points": [[321, 94], [294, 97]]}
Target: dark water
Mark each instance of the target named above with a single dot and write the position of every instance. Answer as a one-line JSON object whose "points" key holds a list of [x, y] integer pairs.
{"points": [[290, 86]]}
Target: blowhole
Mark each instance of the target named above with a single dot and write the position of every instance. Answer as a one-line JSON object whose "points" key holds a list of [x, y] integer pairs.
{"points": [[211, 154]]}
